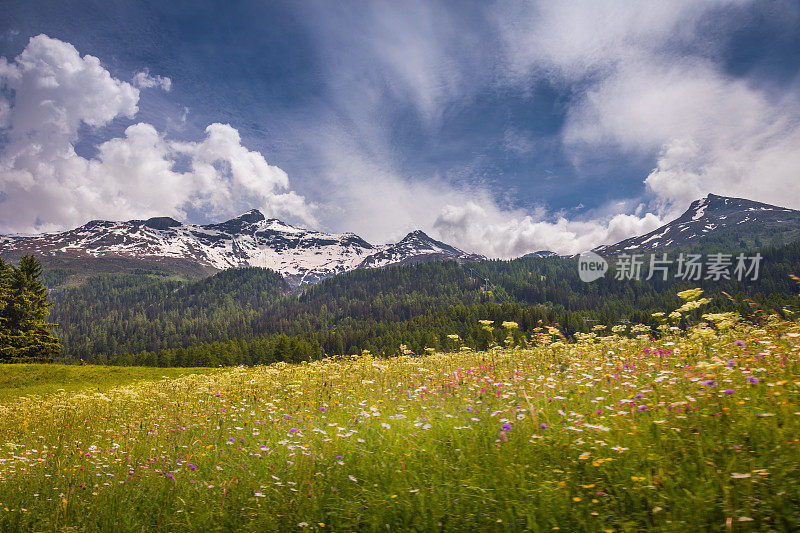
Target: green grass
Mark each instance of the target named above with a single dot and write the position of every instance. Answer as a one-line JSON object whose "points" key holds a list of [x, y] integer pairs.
{"points": [[693, 432], [39, 379]]}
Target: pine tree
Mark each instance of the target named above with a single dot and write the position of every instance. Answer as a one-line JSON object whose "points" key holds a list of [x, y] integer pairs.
{"points": [[29, 337]]}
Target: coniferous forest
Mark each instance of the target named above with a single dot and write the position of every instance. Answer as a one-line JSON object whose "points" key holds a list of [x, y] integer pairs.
{"points": [[252, 316]]}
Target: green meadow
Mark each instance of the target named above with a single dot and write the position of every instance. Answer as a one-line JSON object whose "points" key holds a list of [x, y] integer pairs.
{"points": [[614, 431]]}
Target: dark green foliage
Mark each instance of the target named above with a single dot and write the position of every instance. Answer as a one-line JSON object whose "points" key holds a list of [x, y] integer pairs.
{"points": [[250, 316], [24, 306]]}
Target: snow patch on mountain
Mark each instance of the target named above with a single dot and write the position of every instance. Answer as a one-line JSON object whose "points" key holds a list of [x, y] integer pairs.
{"points": [[250, 240]]}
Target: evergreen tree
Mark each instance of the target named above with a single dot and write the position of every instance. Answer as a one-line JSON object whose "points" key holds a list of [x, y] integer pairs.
{"points": [[28, 335]]}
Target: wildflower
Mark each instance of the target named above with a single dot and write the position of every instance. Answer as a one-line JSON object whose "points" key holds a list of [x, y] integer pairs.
{"points": [[192, 467], [322, 409], [735, 475], [506, 427], [710, 383], [353, 478], [259, 494], [729, 391], [301, 524], [738, 343], [643, 408], [543, 425], [752, 379]]}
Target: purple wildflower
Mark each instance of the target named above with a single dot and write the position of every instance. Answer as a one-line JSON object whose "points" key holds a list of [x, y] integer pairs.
{"points": [[506, 427], [729, 391], [192, 467], [543, 425], [322, 409], [643, 407], [710, 383], [752, 379], [738, 343]]}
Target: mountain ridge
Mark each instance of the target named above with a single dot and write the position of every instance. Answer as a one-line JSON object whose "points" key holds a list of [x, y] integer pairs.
{"points": [[300, 255], [705, 218]]}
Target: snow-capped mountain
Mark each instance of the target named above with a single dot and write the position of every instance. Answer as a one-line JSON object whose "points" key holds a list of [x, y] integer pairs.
{"points": [[708, 217], [416, 247], [541, 254], [301, 255]]}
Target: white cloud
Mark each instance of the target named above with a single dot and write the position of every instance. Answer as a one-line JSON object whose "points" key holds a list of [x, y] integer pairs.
{"points": [[498, 233], [418, 61], [46, 186], [711, 132], [144, 80]]}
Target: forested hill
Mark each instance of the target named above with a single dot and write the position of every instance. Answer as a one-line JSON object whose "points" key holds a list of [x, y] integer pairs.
{"points": [[252, 316]]}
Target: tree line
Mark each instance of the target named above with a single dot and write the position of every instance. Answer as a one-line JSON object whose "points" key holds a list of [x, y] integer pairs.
{"points": [[251, 316]]}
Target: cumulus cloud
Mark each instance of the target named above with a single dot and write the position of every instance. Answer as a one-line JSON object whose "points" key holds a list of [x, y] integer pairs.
{"points": [[144, 80], [498, 233], [50, 91]]}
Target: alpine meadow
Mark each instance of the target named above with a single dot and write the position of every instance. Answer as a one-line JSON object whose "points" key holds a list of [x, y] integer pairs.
{"points": [[420, 266]]}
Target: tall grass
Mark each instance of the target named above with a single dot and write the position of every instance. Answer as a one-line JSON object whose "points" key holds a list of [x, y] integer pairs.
{"points": [[695, 431]]}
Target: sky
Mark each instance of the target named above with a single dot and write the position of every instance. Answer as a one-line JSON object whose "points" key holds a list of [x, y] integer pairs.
{"points": [[501, 127]]}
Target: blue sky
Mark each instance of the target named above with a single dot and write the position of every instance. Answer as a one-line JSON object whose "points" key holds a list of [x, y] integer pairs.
{"points": [[501, 127]]}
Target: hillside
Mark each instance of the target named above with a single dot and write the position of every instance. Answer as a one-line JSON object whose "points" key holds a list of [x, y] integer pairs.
{"points": [[717, 221], [250, 315]]}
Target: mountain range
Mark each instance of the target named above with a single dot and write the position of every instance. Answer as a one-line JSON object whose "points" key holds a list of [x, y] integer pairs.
{"points": [[250, 240], [304, 256]]}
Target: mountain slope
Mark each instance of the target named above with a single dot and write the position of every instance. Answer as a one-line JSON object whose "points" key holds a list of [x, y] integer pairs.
{"points": [[416, 247], [250, 240], [714, 217]]}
